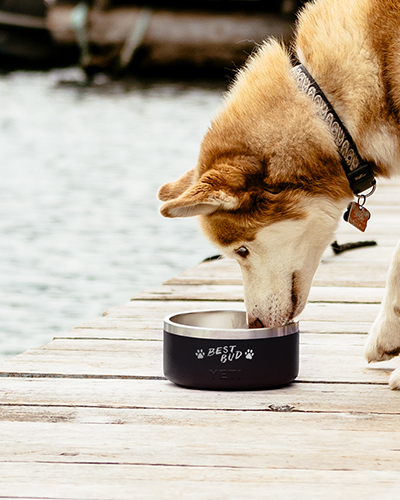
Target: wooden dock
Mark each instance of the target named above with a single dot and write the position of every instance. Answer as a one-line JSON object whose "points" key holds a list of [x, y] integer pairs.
{"points": [[91, 416]]}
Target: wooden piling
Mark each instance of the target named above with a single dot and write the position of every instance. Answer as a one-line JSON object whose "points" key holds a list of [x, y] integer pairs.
{"points": [[176, 36]]}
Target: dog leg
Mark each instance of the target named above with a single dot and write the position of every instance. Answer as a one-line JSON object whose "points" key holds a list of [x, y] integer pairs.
{"points": [[384, 337], [394, 381]]}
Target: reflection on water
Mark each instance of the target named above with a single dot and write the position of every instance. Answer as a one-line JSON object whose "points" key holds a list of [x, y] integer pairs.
{"points": [[80, 168]]}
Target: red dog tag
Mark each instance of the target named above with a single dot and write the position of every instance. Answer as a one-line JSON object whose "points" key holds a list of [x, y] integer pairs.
{"points": [[357, 215]]}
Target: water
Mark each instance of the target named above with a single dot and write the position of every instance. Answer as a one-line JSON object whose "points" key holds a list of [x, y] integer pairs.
{"points": [[80, 167]]}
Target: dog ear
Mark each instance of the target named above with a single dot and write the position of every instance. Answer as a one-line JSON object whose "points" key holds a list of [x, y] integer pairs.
{"points": [[174, 189], [200, 199]]}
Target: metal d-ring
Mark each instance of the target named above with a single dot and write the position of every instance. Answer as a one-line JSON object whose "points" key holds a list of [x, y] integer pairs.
{"points": [[371, 192], [364, 197]]}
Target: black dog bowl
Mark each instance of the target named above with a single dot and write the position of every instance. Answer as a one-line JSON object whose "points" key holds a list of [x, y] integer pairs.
{"points": [[216, 350]]}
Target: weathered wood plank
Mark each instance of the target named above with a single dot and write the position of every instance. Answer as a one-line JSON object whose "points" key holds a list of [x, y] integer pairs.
{"points": [[127, 329], [372, 254], [337, 312], [324, 358], [330, 273], [383, 237], [56, 398], [119, 481], [231, 293], [244, 439], [143, 319]]}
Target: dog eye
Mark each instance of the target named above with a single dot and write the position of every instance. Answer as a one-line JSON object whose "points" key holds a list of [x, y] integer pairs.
{"points": [[242, 251], [275, 189]]}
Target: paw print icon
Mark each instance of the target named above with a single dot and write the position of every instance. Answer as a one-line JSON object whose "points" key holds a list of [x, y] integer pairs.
{"points": [[249, 354], [200, 354]]}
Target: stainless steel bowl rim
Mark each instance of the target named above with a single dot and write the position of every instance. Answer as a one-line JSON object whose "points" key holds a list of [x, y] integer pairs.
{"points": [[171, 326]]}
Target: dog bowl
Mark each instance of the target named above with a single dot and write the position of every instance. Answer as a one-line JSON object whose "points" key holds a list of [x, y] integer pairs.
{"points": [[215, 349]]}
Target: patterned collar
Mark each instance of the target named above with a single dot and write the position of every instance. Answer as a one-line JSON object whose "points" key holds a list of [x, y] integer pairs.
{"points": [[358, 171]]}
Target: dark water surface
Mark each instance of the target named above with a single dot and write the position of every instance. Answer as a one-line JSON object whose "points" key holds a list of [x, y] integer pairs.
{"points": [[80, 167]]}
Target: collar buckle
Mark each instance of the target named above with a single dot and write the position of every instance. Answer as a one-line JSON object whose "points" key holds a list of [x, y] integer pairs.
{"points": [[361, 179]]}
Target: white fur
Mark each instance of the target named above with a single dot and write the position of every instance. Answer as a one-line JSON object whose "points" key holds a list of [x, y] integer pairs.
{"points": [[383, 146], [384, 336], [280, 250]]}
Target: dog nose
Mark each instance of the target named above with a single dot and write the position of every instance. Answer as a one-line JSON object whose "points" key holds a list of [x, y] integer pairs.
{"points": [[257, 323]]}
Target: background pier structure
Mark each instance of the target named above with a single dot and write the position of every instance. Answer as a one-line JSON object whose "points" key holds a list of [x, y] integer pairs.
{"points": [[90, 414], [117, 35]]}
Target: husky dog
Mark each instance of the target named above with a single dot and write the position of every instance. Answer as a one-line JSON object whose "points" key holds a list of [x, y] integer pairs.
{"points": [[291, 146]]}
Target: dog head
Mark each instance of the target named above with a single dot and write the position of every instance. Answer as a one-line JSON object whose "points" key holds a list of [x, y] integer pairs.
{"points": [[268, 187]]}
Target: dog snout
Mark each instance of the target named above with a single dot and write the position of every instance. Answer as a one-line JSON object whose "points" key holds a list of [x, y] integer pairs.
{"points": [[257, 323], [271, 316], [270, 321], [277, 309]]}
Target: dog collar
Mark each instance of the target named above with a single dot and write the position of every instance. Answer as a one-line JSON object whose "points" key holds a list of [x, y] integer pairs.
{"points": [[358, 172]]}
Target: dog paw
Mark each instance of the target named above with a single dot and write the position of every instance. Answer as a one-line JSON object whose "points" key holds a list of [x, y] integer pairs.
{"points": [[394, 381], [383, 341]]}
